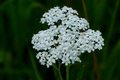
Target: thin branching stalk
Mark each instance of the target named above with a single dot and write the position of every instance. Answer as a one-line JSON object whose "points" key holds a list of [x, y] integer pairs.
{"points": [[34, 67], [67, 72], [57, 72]]}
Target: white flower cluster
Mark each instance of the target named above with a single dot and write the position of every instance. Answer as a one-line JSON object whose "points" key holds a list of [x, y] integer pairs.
{"points": [[67, 37]]}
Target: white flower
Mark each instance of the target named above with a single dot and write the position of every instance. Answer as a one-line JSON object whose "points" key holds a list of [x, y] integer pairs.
{"points": [[67, 37]]}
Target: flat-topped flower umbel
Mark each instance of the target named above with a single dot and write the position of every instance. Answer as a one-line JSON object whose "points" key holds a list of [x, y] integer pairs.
{"points": [[67, 37]]}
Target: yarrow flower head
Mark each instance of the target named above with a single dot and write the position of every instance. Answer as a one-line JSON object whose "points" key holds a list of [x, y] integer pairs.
{"points": [[67, 37]]}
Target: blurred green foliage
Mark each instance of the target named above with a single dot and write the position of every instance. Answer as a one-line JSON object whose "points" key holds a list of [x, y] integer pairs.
{"points": [[19, 20]]}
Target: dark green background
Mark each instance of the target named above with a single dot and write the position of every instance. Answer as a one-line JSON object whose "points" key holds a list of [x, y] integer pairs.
{"points": [[19, 20]]}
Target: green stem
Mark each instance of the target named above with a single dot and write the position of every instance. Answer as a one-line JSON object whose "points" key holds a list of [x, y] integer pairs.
{"points": [[38, 77], [67, 72], [57, 72]]}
